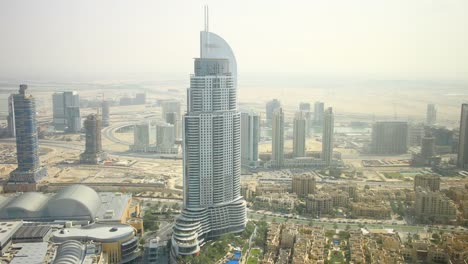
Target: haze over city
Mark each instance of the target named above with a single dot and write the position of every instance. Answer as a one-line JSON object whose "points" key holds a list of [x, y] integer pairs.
{"points": [[234, 132]]}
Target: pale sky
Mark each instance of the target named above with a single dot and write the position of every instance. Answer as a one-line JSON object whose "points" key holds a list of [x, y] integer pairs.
{"points": [[393, 38]]}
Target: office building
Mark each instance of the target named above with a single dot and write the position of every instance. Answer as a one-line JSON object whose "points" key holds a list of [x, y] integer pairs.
{"points": [[319, 109], [303, 185], [212, 204], [389, 138], [431, 114], [156, 252], [327, 136], [277, 138], [140, 98], [61, 116], [144, 135], [462, 159], [174, 119], [427, 146], [93, 153], [271, 107], [29, 170], [170, 106], [304, 107], [11, 117], [415, 134], [165, 139], [105, 113], [299, 135], [250, 136], [431, 182]]}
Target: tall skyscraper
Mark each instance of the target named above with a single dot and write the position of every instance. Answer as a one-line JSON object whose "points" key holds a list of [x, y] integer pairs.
{"points": [[105, 113], [277, 138], [462, 159], [64, 119], [93, 153], [389, 137], [171, 114], [212, 204], [299, 137], [304, 107], [327, 136], [319, 108], [11, 117], [431, 114], [250, 136], [29, 170], [271, 106], [144, 135]]}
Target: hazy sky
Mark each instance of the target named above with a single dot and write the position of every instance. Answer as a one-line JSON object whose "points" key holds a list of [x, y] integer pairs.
{"points": [[392, 38]]}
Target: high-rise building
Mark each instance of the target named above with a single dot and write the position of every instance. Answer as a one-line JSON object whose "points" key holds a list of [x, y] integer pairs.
{"points": [[303, 185], [431, 114], [29, 170], [61, 115], [105, 113], [299, 136], [427, 146], [319, 108], [277, 138], [11, 117], [93, 153], [140, 98], [462, 159], [271, 106], [144, 135], [415, 134], [170, 106], [304, 107], [173, 119], [389, 137], [165, 137], [432, 182], [212, 204], [250, 136], [327, 136]]}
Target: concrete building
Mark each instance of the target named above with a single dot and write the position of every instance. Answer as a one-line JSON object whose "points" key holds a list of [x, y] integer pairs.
{"points": [[428, 146], [431, 114], [271, 107], [304, 107], [7, 231], [277, 139], [140, 98], [144, 135], [118, 241], [250, 136], [327, 136], [319, 204], [93, 153], [299, 136], [389, 138], [432, 182], [319, 109], [156, 252], [462, 159], [433, 207], [29, 170], [172, 118], [11, 117], [165, 139], [212, 204], [303, 185], [105, 113], [64, 119], [415, 134]]}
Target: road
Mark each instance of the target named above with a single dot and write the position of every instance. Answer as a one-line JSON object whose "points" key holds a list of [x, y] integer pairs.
{"points": [[331, 225]]}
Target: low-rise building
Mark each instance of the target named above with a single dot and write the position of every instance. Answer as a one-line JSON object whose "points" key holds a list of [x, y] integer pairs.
{"points": [[434, 207], [319, 204], [303, 184], [371, 210]]}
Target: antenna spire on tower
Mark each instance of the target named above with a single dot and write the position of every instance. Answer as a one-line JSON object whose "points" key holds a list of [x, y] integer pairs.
{"points": [[207, 20]]}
